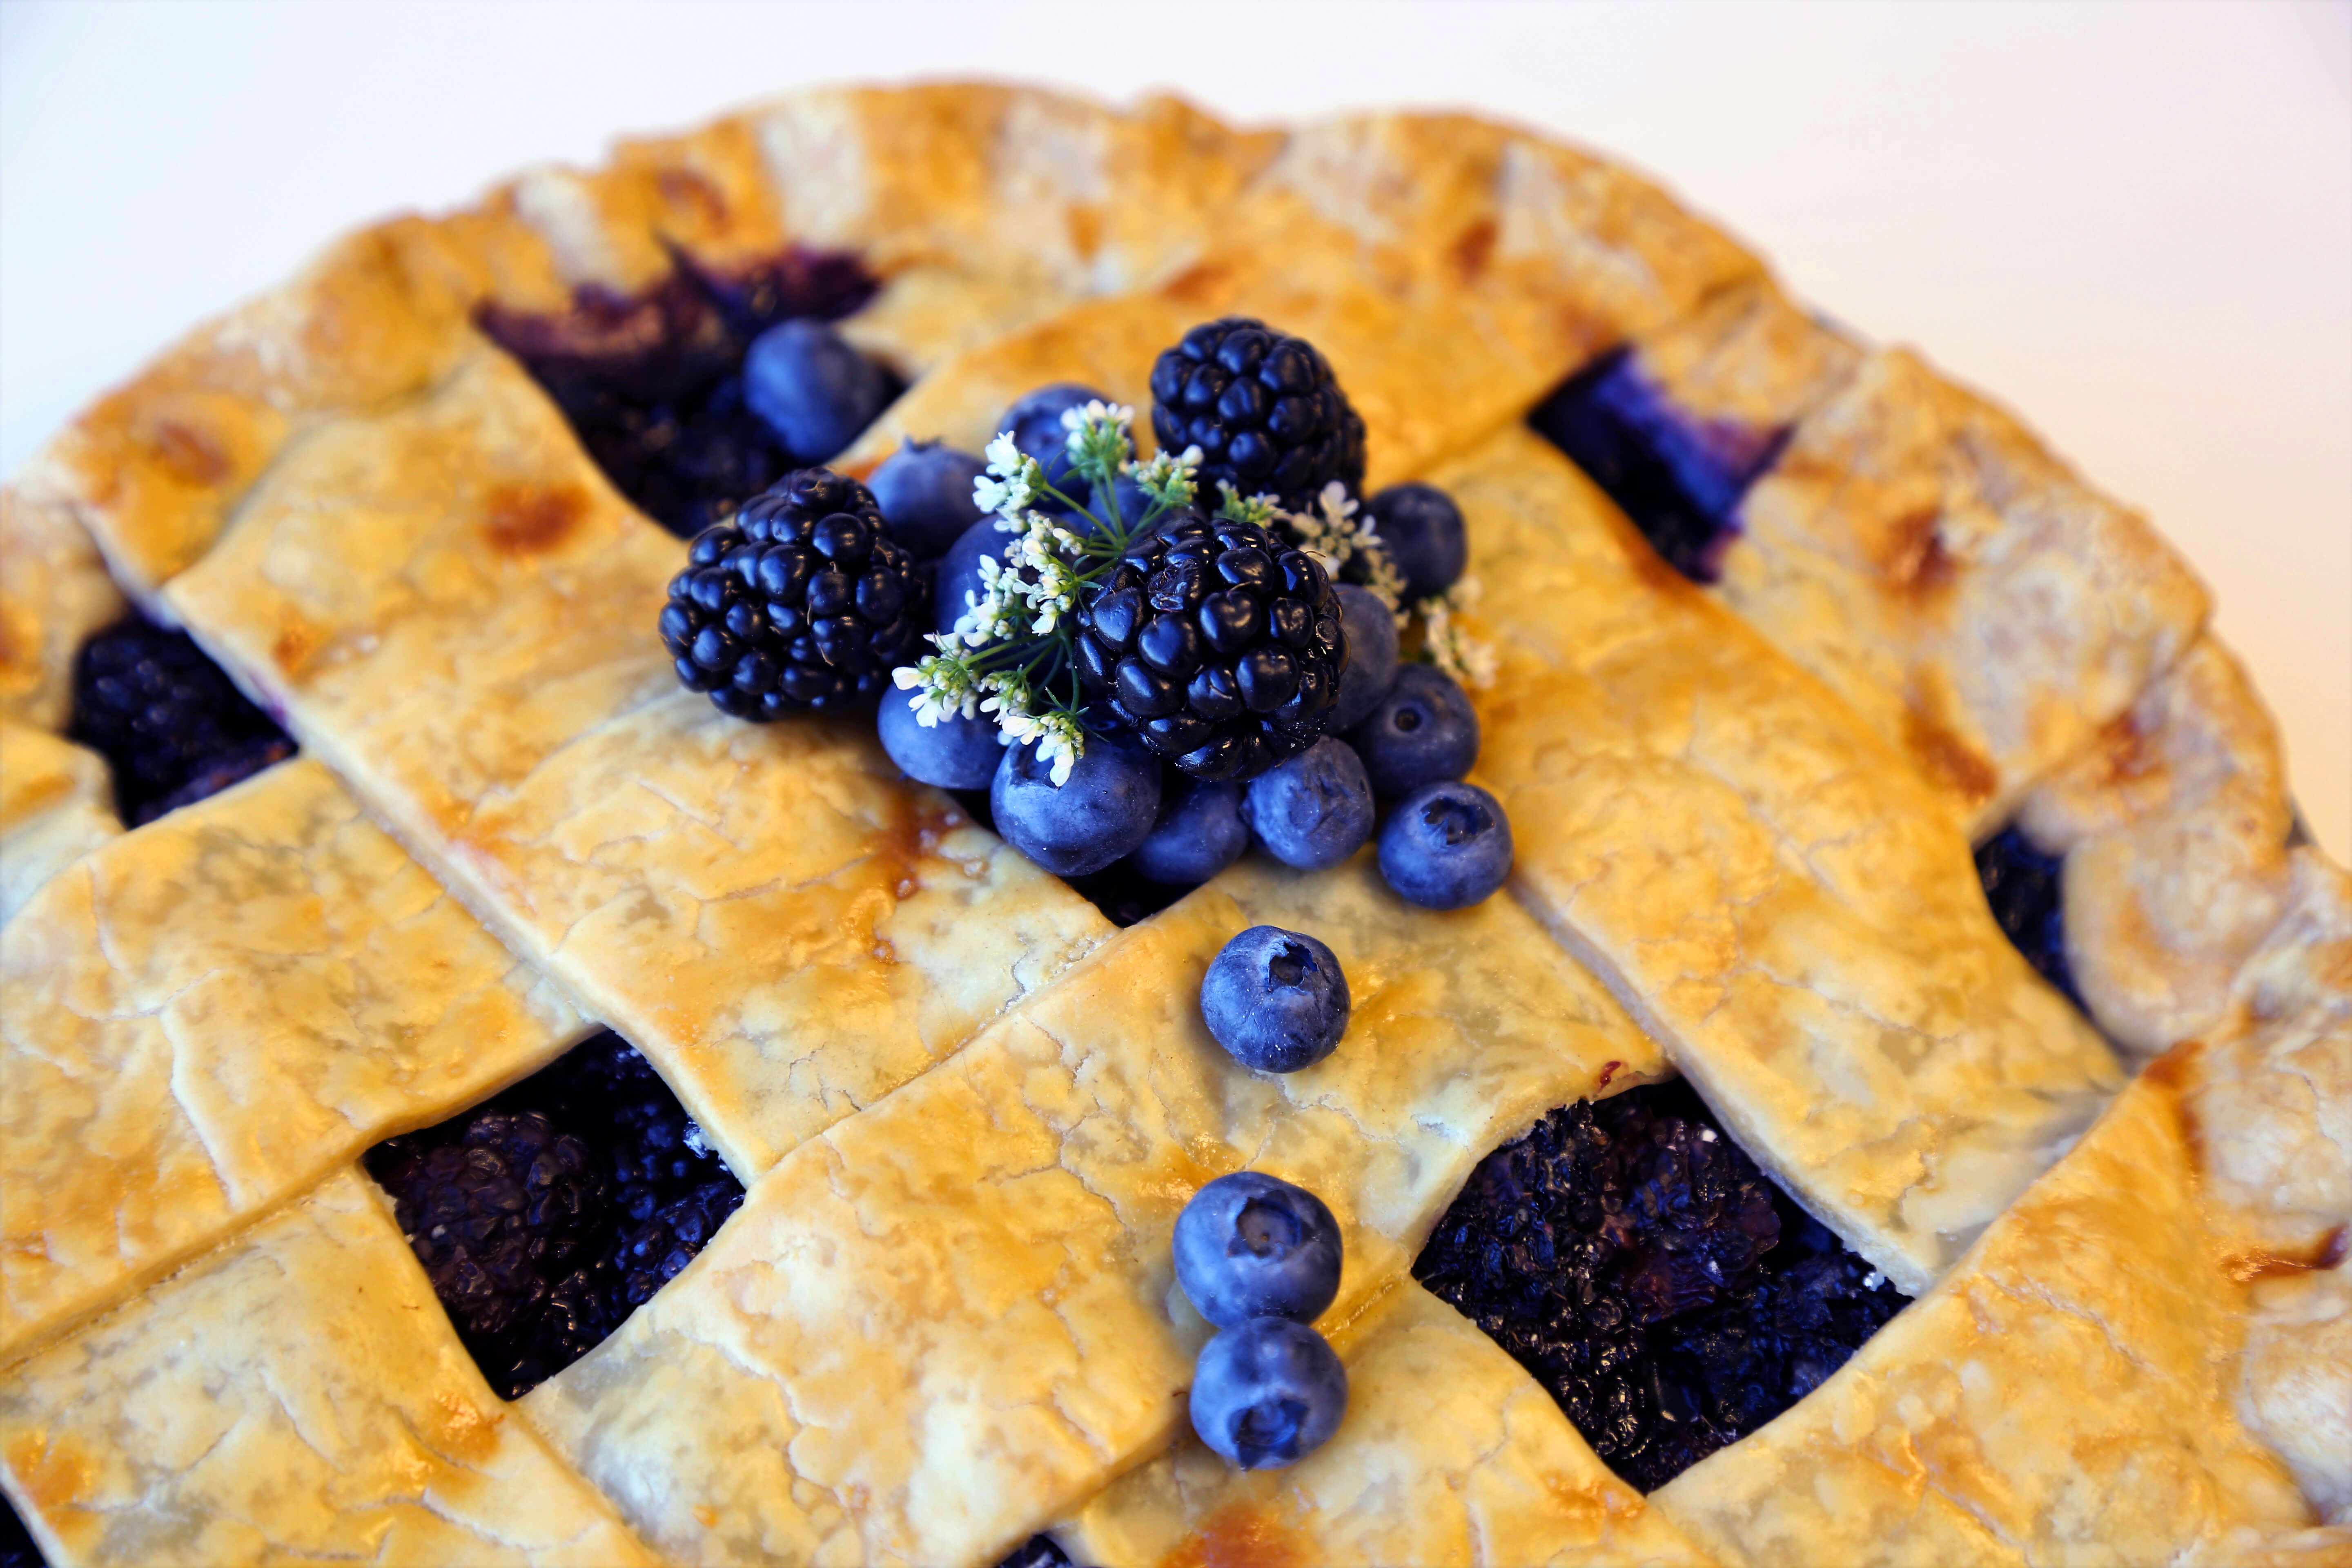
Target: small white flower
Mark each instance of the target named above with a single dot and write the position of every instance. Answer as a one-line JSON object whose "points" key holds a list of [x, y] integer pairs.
{"points": [[1004, 459], [944, 686], [1061, 741], [1448, 642], [1167, 480]]}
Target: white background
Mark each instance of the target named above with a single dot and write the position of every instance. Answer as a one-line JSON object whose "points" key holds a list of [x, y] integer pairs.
{"points": [[2131, 222]]}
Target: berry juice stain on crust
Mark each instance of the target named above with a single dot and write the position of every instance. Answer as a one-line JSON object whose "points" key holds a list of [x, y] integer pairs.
{"points": [[547, 1214], [1642, 1269], [169, 722], [1679, 479], [652, 383], [2023, 885]]}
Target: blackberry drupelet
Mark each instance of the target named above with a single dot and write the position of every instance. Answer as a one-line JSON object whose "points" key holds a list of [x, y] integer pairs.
{"points": [[1217, 644], [802, 601], [171, 726], [2023, 885], [652, 383], [1264, 408], [589, 1242], [1637, 1263]]}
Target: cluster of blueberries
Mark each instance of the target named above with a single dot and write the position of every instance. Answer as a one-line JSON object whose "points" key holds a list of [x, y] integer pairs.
{"points": [[1401, 734]]}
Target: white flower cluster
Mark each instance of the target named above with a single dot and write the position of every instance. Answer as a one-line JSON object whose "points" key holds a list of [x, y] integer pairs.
{"points": [[1448, 642], [1028, 593], [1338, 530]]}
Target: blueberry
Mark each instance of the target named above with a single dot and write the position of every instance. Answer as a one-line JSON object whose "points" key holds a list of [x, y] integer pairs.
{"points": [[955, 753], [925, 491], [1313, 810], [1423, 730], [1267, 1393], [1199, 833], [1277, 999], [1372, 656], [1446, 846], [1100, 813], [958, 570], [1426, 540], [1035, 421], [813, 389], [1251, 1246]]}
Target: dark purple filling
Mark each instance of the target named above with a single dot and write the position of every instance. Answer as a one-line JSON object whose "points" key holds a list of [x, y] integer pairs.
{"points": [[171, 726], [1679, 479], [1038, 1551], [17, 1548], [548, 1214], [1636, 1262], [652, 382], [2023, 885]]}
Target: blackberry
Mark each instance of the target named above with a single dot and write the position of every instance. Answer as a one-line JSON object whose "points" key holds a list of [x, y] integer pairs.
{"points": [[1219, 645], [1637, 1263], [802, 601], [2022, 886], [573, 1196], [1264, 408], [170, 725], [496, 1217]]}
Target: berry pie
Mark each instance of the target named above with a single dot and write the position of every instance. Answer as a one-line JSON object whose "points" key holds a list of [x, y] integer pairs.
{"points": [[621, 810]]}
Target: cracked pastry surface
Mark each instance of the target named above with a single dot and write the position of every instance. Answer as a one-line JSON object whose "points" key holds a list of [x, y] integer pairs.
{"points": [[454, 610], [298, 1396], [57, 804], [202, 1017], [1917, 549], [1450, 1453], [1767, 885], [1447, 267], [943, 1321], [2175, 830], [54, 591], [2064, 1395]]}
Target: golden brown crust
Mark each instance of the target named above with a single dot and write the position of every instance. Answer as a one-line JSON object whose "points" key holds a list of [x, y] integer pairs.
{"points": [[1449, 1453], [57, 804], [54, 591], [2064, 1394], [296, 1397], [2295, 1393], [947, 1321], [1919, 550], [1761, 878], [454, 610], [203, 1016], [2271, 1088], [2174, 827]]}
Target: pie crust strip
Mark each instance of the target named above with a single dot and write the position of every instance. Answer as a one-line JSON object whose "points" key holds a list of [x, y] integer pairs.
{"points": [[201, 1019], [1771, 891], [453, 609], [2064, 1394], [297, 1396], [948, 1320], [57, 804]]}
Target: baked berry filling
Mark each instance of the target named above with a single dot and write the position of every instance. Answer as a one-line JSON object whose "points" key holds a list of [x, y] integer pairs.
{"points": [[1678, 479], [548, 1214], [1038, 1551], [2028, 901], [18, 1551], [170, 724], [654, 385], [1638, 1266]]}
